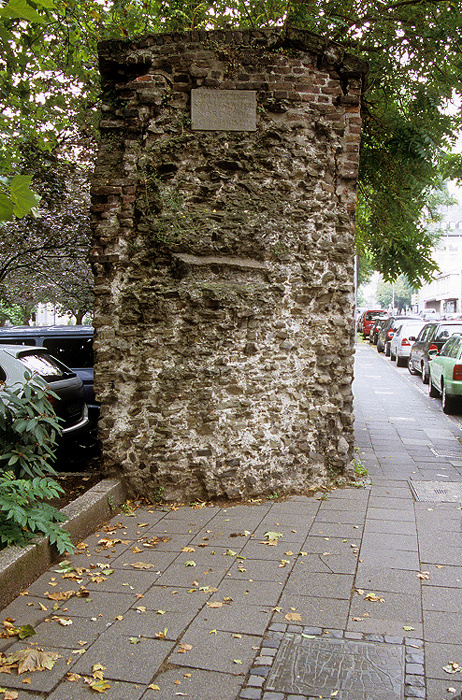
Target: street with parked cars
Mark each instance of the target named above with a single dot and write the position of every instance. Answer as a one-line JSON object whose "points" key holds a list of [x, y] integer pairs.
{"points": [[431, 349]]}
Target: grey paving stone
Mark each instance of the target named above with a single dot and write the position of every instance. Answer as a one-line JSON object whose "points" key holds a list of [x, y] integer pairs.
{"points": [[437, 656], [249, 592], [174, 598], [80, 690], [319, 612], [259, 570], [389, 527], [224, 652], [321, 585], [386, 579], [148, 623], [442, 599], [445, 576], [159, 560], [123, 660], [98, 605], [443, 627], [51, 633], [185, 576], [239, 618], [395, 606]]}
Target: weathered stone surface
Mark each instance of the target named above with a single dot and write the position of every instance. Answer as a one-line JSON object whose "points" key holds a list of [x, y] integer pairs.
{"points": [[224, 265]]}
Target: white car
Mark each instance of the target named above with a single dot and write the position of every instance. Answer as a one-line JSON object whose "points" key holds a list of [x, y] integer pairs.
{"points": [[403, 340], [17, 362]]}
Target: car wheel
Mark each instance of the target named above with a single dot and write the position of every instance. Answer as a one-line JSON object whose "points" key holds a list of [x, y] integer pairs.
{"points": [[447, 402], [392, 356], [424, 373], [400, 361], [387, 349], [411, 368], [432, 392]]}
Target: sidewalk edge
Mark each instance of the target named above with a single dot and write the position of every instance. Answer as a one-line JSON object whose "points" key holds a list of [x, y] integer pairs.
{"points": [[20, 566]]}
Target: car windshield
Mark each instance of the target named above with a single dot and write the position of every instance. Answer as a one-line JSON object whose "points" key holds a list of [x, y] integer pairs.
{"points": [[45, 366]]}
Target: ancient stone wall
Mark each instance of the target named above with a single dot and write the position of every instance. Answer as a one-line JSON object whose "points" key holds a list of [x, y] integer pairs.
{"points": [[223, 260]]}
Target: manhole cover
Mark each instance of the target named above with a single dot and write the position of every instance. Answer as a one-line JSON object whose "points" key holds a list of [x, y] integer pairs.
{"points": [[342, 668], [437, 491]]}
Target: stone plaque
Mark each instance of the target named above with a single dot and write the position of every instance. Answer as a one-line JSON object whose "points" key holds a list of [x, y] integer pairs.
{"points": [[346, 669], [224, 110]]}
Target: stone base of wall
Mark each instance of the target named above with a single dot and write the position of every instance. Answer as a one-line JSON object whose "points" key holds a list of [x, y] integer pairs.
{"points": [[224, 265]]}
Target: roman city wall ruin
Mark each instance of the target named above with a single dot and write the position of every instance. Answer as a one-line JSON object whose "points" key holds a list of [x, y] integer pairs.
{"points": [[223, 207]]}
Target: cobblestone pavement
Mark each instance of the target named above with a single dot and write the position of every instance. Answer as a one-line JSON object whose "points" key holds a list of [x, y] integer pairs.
{"points": [[355, 594]]}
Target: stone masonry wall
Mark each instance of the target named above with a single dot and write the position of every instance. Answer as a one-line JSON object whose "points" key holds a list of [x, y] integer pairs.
{"points": [[223, 265]]}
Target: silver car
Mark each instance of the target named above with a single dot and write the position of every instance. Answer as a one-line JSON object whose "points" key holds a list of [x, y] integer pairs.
{"points": [[19, 362], [403, 340]]}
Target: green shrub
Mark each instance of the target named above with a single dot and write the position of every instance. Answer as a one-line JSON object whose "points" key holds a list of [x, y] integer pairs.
{"points": [[28, 433]]}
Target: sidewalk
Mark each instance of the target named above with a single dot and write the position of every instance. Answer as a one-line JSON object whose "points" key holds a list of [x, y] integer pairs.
{"points": [[353, 595]]}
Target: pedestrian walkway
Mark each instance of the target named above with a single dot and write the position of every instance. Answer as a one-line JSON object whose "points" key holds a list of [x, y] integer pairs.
{"points": [[355, 594]]}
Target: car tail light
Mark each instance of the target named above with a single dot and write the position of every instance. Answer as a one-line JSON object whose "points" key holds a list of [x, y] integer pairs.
{"points": [[433, 347], [405, 341], [457, 373]]}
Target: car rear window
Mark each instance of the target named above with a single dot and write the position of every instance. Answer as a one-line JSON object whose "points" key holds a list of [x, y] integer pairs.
{"points": [[45, 366], [74, 352], [446, 331], [4, 340], [375, 314]]}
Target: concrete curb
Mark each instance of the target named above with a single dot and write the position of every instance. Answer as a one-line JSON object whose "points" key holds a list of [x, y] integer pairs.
{"points": [[20, 566]]}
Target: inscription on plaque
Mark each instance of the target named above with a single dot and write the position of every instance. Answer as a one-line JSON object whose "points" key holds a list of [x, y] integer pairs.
{"points": [[350, 669], [223, 110]]}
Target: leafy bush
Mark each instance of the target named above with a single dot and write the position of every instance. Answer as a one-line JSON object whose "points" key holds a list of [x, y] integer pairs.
{"points": [[28, 432]]}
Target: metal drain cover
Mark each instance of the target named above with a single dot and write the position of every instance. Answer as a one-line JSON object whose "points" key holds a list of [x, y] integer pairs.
{"points": [[437, 491], [344, 668]]}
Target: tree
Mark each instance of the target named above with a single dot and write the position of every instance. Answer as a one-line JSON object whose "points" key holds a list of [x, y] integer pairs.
{"points": [[397, 295], [51, 249], [49, 91]]}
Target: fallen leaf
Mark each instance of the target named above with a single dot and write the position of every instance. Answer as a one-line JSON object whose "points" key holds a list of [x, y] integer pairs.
{"points": [[183, 648], [190, 563], [213, 632], [9, 694], [374, 598], [230, 553], [161, 635], [28, 660], [424, 575], [357, 619], [153, 686], [99, 685], [283, 563], [215, 604], [137, 550], [293, 617], [134, 640], [452, 667], [60, 595], [142, 565], [188, 549], [408, 628], [237, 661], [64, 621], [73, 677]]}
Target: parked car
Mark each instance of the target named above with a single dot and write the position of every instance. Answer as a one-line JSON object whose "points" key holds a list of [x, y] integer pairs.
{"points": [[72, 345], [445, 374], [368, 319], [403, 339], [388, 330], [18, 362], [432, 337], [374, 332]]}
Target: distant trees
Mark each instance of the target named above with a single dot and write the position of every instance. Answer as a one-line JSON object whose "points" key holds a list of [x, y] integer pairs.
{"points": [[45, 258]]}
